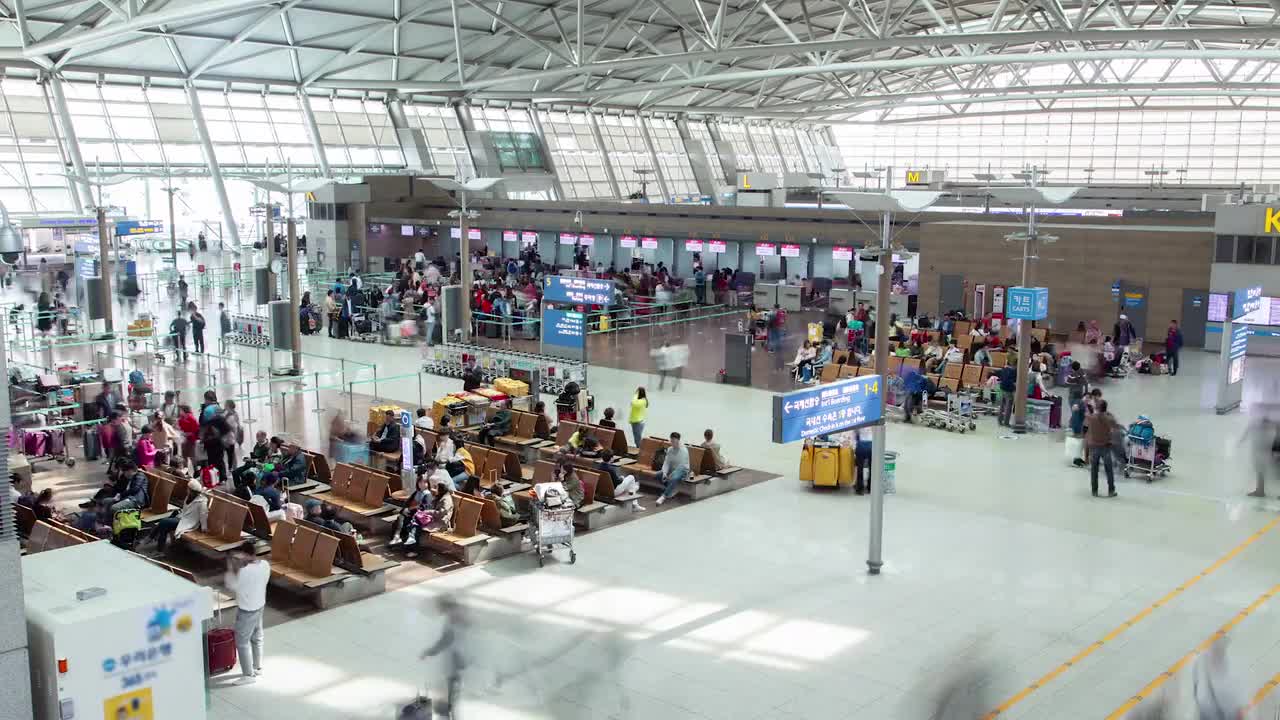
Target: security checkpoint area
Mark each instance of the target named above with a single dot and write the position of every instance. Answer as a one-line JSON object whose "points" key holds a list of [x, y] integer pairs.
{"points": [[542, 359]]}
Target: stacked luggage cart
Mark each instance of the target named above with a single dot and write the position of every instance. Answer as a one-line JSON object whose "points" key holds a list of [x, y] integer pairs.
{"points": [[548, 374]]}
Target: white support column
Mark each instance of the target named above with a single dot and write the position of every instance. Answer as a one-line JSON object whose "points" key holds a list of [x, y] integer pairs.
{"points": [[604, 156], [777, 144], [653, 154], [84, 197], [317, 144], [215, 170], [468, 126], [546, 153]]}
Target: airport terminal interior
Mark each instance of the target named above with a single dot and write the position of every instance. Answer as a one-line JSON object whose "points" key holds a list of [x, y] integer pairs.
{"points": [[652, 360]]}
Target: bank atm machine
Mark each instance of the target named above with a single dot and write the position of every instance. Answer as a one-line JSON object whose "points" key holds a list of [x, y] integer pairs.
{"points": [[113, 636]]}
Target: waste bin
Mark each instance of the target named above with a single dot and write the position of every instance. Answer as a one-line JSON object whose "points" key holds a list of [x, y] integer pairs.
{"points": [[889, 476], [1038, 415]]}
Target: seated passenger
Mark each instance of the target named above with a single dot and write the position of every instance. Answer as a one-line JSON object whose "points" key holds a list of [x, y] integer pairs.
{"points": [[461, 464], [674, 469], [421, 499], [387, 439], [433, 516], [423, 420], [496, 428], [933, 356], [131, 493], [567, 475], [42, 505], [621, 485], [713, 447], [607, 420], [953, 356], [293, 466], [194, 515]]}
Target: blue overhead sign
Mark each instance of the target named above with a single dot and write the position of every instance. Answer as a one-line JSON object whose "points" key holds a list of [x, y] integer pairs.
{"points": [[138, 227], [829, 408], [1247, 300], [1023, 303], [566, 328], [577, 290]]}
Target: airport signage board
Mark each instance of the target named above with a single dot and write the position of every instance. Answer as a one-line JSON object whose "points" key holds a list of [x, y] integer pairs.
{"points": [[472, 233], [766, 249], [577, 290], [1247, 300], [528, 237], [568, 239], [716, 246], [565, 328], [510, 236], [1027, 303], [649, 243], [587, 240], [139, 227], [841, 252], [790, 251], [627, 241], [827, 408], [693, 245]]}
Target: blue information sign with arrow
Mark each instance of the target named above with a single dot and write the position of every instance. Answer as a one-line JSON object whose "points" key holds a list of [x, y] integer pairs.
{"points": [[828, 408]]}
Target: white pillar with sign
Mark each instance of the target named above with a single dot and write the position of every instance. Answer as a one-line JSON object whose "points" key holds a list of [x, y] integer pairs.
{"points": [[406, 449], [1235, 344]]}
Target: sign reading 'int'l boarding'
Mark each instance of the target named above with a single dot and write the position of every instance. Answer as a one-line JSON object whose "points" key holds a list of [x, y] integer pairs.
{"points": [[828, 408]]}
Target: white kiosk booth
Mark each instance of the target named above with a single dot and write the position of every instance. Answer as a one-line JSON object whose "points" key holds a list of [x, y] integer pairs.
{"points": [[113, 636]]}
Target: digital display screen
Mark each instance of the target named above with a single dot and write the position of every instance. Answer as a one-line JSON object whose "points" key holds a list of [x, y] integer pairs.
{"points": [[627, 241], [764, 249], [586, 239], [456, 233], [649, 243], [568, 239], [406, 231], [715, 246], [510, 236], [790, 251], [693, 245], [1267, 314], [528, 238], [839, 252]]}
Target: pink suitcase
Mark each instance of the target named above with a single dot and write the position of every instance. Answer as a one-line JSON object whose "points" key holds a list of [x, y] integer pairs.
{"points": [[57, 443], [33, 444]]}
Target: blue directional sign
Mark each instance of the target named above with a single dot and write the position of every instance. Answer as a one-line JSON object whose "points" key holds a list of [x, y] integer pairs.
{"points": [[1023, 303], [138, 227], [577, 290], [565, 328], [405, 419], [1247, 300], [829, 408]]}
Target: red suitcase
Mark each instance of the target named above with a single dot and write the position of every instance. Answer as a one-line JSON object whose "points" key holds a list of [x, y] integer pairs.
{"points": [[221, 644]]}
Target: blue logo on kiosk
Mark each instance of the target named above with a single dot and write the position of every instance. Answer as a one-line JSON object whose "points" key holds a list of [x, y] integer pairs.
{"points": [[1023, 303]]}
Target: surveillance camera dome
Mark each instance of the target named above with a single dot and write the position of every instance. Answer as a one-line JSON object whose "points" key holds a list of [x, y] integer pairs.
{"points": [[10, 258]]}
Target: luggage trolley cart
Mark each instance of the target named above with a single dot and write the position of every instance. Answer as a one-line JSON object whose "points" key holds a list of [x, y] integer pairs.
{"points": [[552, 521], [959, 414], [1145, 454]]}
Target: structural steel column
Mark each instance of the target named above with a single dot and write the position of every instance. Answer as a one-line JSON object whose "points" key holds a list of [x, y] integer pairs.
{"points": [[701, 175], [468, 126], [317, 144], [105, 267], [73, 185], [73, 144], [291, 260], [215, 170], [546, 153], [657, 168], [604, 157], [782, 157], [1029, 247], [15, 680]]}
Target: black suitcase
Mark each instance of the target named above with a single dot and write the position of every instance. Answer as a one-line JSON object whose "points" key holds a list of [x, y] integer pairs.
{"points": [[491, 330], [92, 444]]}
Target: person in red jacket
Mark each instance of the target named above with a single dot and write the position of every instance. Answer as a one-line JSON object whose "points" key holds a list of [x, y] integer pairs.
{"points": [[189, 426]]}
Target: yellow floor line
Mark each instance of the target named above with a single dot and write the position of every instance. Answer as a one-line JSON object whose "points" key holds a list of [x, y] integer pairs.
{"points": [[1049, 677], [1264, 691], [1177, 667]]}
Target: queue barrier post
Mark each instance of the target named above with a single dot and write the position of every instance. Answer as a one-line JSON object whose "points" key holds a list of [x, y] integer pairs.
{"points": [[318, 409]]}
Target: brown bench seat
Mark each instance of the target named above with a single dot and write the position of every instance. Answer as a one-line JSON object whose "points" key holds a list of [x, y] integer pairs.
{"points": [[464, 539], [225, 530]]}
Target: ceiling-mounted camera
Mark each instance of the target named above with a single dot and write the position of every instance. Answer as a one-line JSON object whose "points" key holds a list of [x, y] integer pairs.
{"points": [[10, 240]]}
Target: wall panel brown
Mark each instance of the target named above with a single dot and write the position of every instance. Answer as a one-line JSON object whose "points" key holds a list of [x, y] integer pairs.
{"points": [[1078, 269]]}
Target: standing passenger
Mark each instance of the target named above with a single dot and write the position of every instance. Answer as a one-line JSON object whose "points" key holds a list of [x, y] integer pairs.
{"points": [[247, 577], [639, 411]]}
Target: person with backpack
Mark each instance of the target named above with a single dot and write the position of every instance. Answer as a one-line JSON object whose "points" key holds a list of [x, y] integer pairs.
{"points": [[777, 319], [197, 327]]}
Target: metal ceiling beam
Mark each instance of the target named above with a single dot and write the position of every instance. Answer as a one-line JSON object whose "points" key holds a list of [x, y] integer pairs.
{"points": [[1016, 38], [202, 10], [262, 18]]}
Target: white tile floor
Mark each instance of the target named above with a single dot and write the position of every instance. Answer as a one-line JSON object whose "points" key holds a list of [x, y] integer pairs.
{"points": [[757, 604]]}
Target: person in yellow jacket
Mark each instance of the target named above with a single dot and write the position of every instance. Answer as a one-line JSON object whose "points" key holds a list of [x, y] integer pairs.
{"points": [[639, 411], [461, 466]]}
